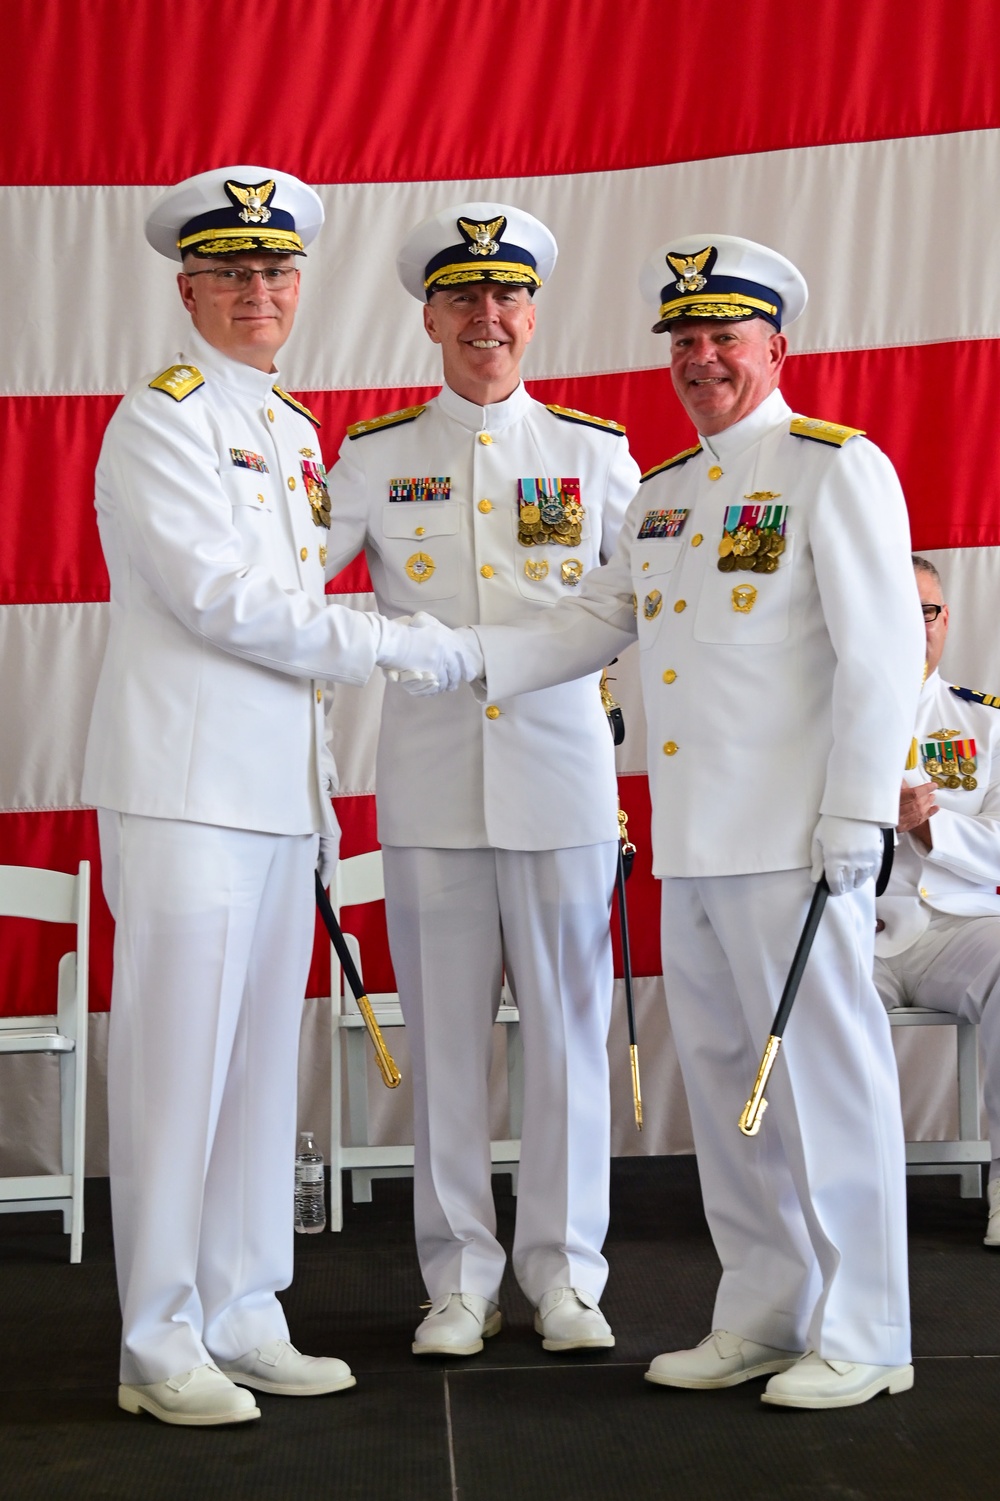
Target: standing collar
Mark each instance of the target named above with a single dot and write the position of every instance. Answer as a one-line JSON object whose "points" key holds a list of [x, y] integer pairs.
{"points": [[772, 412], [492, 418], [245, 378]]}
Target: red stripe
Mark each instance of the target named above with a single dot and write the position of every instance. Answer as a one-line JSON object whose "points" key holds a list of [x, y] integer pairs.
{"points": [[135, 91], [929, 406]]}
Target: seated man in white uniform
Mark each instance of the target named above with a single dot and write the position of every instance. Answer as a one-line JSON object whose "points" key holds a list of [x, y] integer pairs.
{"points": [[498, 823], [766, 572], [206, 762], [938, 932]]}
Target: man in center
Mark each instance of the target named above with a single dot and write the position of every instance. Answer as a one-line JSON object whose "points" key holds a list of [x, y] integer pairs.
{"points": [[498, 822]]}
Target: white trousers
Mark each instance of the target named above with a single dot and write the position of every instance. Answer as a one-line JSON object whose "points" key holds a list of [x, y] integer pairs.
{"points": [[955, 966], [457, 919], [212, 947], [809, 1216]]}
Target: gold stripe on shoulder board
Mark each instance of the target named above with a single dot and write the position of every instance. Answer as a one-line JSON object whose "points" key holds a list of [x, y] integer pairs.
{"points": [[178, 381], [678, 458], [388, 419], [296, 406], [570, 414], [823, 432]]}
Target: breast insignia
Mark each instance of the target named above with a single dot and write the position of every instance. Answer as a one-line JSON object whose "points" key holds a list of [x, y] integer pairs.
{"points": [[823, 432], [297, 406], [678, 458], [569, 414], [972, 696], [179, 381], [388, 419]]}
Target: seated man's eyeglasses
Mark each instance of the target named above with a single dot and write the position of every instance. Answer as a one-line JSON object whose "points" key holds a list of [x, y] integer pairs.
{"points": [[931, 612], [233, 277]]}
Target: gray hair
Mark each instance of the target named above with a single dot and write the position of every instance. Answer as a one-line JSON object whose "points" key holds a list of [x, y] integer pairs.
{"points": [[924, 565]]}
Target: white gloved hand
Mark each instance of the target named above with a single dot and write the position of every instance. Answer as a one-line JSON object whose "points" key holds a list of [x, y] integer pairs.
{"points": [[426, 656], [848, 851]]}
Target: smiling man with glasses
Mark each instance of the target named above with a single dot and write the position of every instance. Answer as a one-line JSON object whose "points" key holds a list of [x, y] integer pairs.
{"points": [[207, 765], [938, 938]]}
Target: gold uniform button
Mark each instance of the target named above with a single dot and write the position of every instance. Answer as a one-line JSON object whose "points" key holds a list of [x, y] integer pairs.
{"points": [[270, 415], [680, 605], [923, 891], [670, 675], [645, 567], [715, 472], [304, 553], [697, 539], [486, 571], [492, 712], [485, 438], [420, 531], [670, 749], [261, 499], [319, 695], [486, 506], [291, 482]]}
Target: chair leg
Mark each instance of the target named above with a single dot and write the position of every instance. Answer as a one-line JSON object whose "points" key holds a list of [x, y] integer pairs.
{"points": [[967, 1047]]}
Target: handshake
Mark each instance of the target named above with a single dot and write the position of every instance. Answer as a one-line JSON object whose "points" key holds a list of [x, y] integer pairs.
{"points": [[426, 657]]}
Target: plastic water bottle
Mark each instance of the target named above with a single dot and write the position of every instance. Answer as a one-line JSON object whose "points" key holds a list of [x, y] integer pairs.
{"points": [[310, 1197]]}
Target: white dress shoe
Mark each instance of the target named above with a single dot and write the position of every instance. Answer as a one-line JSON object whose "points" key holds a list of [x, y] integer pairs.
{"points": [[568, 1318], [280, 1369], [194, 1399], [992, 1236], [815, 1382], [457, 1324], [722, 1359]]}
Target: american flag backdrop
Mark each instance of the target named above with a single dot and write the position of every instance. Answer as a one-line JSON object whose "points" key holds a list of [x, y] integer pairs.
{"points": [[862, 141]]}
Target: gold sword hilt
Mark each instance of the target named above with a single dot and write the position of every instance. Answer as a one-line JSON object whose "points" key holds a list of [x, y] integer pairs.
{"points": [[636, 1090], [386, 1063], [753, 1110]]}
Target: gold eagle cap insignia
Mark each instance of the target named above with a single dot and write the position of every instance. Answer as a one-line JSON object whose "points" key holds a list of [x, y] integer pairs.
{"points": [[254, 200], [688, 269], [483, 235]]}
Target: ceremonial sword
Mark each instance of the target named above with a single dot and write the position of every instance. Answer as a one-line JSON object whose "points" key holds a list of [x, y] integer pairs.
{"points": [[753, 1110], [626, 854], [386, 1063]]}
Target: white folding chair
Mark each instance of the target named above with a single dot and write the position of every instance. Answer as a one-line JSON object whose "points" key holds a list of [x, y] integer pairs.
{"points": [[967, 1153], [358, 881], [52, 896]]}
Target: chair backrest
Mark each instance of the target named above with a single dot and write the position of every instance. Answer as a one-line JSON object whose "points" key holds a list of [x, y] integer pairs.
{"points": [[358, 880], [54, 896]]}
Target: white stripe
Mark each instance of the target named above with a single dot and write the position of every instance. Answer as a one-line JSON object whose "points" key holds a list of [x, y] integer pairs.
{"points": [[51, 656], [896, 238]]}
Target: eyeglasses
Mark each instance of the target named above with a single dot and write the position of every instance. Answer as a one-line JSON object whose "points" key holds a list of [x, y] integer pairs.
{"points": [[231, 278], [931, 612]]}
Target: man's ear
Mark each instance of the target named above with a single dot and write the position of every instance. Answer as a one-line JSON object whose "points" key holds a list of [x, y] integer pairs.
{"points": [[430, 324]]}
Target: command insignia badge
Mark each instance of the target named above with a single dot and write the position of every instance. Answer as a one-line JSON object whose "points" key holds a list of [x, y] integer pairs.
{"points": [[661, 524], [744, 598], [537, 569], [322, 557], [690, 267], [244, 459], [254, 208], [314, 476], [420, 567], [482, 235], [420, 488], [652, 604], [753, 536], [572, 572], [549, 511]]}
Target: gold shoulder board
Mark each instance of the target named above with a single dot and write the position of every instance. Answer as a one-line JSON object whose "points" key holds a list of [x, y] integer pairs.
{"points": [[974, 696], [568, 414], [296, 406], [678, 458], [388, 419], [824, 432], [179, 381]]}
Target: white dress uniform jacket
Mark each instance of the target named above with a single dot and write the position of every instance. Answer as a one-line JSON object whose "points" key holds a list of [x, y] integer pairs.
{"points": [[759, 719], [960, 875], [209, 705], [532, 771]]}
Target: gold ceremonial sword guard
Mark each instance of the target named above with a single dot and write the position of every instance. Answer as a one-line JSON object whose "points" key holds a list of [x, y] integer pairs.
{"points": [[753, 1110], [386, 1063]]}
